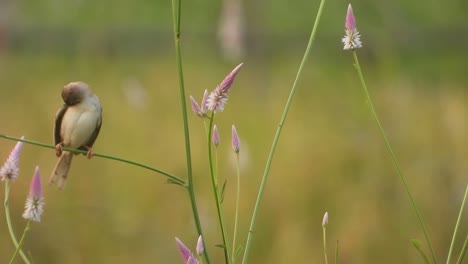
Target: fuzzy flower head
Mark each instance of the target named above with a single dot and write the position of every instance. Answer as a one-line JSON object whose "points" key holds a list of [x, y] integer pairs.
{"points": [[218, 98], [185, 253], [352, 39], [235, 140], [35, 201], [215, 137], [10, 170]]}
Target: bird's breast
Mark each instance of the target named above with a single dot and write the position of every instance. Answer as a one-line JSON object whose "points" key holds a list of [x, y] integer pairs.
{"points": [[79, 123]]}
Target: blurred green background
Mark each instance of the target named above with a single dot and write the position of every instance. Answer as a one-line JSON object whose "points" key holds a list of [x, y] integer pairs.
{"points": [[330, 156]]}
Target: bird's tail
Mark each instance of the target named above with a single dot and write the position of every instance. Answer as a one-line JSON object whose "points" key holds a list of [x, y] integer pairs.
{"points": [[61, 169]]}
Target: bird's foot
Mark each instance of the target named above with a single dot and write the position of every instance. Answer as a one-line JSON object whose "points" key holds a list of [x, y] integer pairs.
{"points": [[90, 152], [59, 149]]}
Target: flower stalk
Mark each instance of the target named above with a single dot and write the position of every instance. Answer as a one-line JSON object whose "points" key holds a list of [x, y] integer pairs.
{"points": [[217, 197], [278, 134]]}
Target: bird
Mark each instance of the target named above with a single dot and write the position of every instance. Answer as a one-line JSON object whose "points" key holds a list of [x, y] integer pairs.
{"points": [[77, 126]]}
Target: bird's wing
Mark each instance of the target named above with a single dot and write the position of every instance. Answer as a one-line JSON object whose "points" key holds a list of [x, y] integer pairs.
{"points": [[58, 124], [95, 134]]}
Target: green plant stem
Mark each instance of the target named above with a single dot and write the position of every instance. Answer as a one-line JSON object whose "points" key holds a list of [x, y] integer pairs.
{"points": [[171, 177], [237, 211], [463, 251], [10, 226], [324, 228], [176, 14], [456, 225], [392, 155], [25, 232], [216, 193], [278, 134]]}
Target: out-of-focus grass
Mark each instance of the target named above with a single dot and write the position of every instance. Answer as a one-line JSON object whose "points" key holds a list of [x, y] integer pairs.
{"points": [[330, 158]]}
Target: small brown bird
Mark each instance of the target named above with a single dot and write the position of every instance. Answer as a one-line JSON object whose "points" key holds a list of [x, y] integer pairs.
{"points": [[77, 125]]}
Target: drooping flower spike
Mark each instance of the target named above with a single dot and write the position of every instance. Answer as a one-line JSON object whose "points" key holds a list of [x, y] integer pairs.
{"points": [[352, 39], [10, 170], [34, 206], [218, 97]]}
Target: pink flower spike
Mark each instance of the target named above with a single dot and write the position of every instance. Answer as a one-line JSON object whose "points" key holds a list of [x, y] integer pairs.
{"points": [[350, 20], [195, 106], [218, 98], [352, 39], [200, 246], [235, 140], [185, 252], [203, 106], [215, 136], [35, 201], [229, 80], [10, 170]]}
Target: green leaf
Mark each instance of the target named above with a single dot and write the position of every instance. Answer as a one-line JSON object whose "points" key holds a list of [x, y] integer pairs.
{"points": [[220, 246]]}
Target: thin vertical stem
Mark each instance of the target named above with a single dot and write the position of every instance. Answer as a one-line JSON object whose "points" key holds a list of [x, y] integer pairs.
{"points": [[278, 134], [325, 243], [456, 225], [176, 14], [392, 155], [216, 193], [237, 210], [10, 226]]}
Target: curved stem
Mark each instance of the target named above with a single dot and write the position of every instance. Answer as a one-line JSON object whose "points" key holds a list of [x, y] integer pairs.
{"points": [[216, 193], [172, 178], [10, 226], [18, 249], [176, 14], [392, 155], [278, 133]]}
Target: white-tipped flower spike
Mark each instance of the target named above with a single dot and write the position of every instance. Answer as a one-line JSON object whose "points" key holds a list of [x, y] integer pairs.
{"points": [[351, 39], [215, 136], [35, 201], [235, 140], [185, 252], [218, 98], [325, 219], [200, 246], [10, 170]]}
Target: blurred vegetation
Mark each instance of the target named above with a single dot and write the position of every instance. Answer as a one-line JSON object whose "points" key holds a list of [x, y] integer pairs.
{"points": [[330, 158]]}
